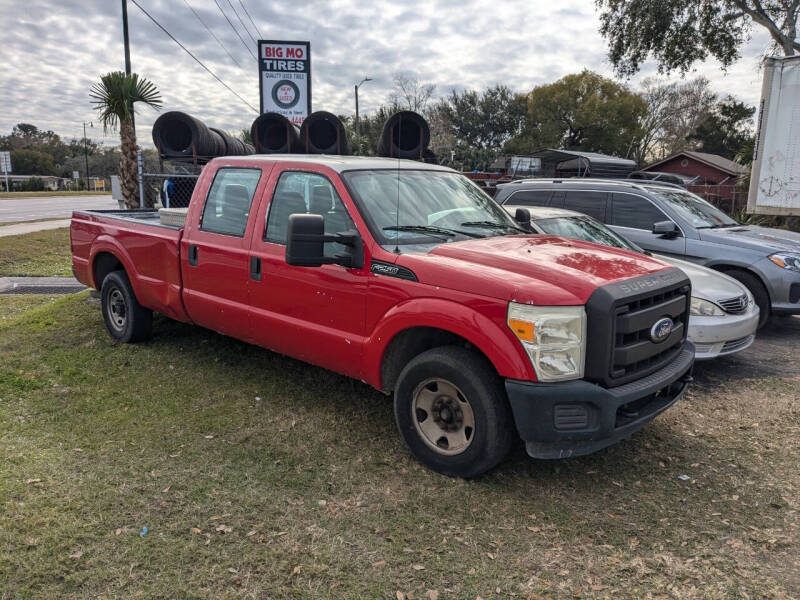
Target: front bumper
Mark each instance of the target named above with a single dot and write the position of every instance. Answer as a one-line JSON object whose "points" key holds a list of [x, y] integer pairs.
{"points": [[572, 418], [717, 336]]}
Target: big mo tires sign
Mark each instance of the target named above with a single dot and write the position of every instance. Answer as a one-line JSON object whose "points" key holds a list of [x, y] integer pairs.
{"points": [[284, 71]]}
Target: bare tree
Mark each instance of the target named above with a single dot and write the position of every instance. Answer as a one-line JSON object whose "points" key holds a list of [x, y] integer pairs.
{"points": [[409, 93], [675, 110]]}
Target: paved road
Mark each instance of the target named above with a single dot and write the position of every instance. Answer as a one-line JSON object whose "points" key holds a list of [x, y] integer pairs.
{"points": [[14, 210]]}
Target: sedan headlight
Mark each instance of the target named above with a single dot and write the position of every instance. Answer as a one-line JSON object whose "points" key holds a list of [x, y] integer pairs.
{"points": [[554, 338], [704, 308], [786, 260]]}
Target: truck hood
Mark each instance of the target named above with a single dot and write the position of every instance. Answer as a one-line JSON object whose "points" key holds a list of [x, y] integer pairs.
{"points": [[707, 283], [537, 269], [763, 239]]}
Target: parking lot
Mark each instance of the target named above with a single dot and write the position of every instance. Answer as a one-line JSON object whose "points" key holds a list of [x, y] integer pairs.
{"points": [[260, 476]]}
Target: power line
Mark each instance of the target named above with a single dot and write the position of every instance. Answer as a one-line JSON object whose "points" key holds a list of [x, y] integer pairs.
{"points": [[233, 58], [236, 31], [251, 19], [197, 60], [233, 8]]}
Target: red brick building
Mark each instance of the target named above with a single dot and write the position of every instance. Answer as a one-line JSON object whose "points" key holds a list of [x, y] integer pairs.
{"points": [[710, 169]]}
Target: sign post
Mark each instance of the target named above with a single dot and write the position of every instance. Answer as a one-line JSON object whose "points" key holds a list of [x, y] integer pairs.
{"points": [[284, 74], [5, 165]]}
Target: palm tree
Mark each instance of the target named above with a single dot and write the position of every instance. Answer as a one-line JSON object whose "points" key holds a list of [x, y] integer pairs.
{"points": [[113, 97]]}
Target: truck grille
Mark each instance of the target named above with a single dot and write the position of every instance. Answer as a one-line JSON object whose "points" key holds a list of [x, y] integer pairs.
{"points": [[634, 350], [621, 345], [734, 306]]}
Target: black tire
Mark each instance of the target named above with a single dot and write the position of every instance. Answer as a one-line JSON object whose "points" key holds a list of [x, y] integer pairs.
{"points": [[489, 440], [760, 294], [126, 320]]}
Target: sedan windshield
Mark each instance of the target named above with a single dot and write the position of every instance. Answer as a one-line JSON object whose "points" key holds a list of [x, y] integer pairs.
{"points": [[409, 207], [694, 209], [584, 228]]}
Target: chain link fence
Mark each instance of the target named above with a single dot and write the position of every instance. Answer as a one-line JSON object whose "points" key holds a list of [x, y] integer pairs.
{"points": [[731, 199], [171, 190]]}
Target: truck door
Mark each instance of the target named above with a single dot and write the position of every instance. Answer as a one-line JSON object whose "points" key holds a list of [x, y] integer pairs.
{"points": [[215, 251], [315, 314]]}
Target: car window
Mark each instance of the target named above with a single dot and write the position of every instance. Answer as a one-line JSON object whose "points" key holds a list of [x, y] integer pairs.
{"points": [[307, 193], [588, 203], [584, 228], [636, 212], [694, 209], [228, 202], [529, 198]]}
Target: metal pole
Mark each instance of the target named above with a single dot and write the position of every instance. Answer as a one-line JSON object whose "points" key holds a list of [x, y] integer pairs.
{"points": [[141, 179], [358, 131], [86, 155], [125, 37], [126, 42]]}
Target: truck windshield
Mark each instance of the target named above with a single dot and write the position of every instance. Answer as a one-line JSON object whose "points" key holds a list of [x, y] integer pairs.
{"points": [[694, 209], [584, 228], [407, 207]]}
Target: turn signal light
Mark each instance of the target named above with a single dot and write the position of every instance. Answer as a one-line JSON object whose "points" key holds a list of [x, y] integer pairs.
{"points": [[522, 329]]}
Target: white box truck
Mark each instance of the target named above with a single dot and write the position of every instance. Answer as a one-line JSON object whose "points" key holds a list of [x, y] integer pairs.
{"points": [[775, 180]]}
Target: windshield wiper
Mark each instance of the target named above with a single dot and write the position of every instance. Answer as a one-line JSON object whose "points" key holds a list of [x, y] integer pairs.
{"points": [[493, 225], [718, 226], [432, 229]]}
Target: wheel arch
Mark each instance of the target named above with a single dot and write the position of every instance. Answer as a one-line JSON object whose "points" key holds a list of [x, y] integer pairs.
{"points": [[417, 326]]}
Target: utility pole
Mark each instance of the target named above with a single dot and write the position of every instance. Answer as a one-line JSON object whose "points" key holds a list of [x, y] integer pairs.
{"points": [[86, 155], [125, 37], [358, 127], [127, 44]]}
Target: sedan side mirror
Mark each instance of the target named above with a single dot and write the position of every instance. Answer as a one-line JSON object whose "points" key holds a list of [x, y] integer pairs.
{"points": [[523, 218], [666, 229], [306, 239]]}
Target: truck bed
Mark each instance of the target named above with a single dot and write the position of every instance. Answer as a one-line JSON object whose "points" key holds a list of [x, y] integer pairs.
{"points": [[148, 250]]}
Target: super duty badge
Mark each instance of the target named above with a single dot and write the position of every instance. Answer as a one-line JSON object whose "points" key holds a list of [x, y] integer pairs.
{"points": [[383, 268]]}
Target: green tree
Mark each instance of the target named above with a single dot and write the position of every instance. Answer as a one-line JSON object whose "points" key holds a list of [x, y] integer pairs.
{"points": [[678, 33], [582, 111], [27, 161], [728, 131], [114, 98]]}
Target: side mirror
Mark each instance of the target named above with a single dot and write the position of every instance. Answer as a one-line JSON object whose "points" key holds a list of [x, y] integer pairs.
{"points": [[306, 239], [522, 215], [666, 229]]}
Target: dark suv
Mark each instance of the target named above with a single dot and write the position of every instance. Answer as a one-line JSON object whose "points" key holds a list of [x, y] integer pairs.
{"points": [[670, 220]]}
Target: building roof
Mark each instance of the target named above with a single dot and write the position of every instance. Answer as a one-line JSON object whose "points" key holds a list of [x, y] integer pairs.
{"points": [[593, 157], [336, 162], [713, 160]]}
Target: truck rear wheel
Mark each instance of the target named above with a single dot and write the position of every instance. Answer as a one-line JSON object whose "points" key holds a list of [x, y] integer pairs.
{"points": [[126, 320], [452, 411]]}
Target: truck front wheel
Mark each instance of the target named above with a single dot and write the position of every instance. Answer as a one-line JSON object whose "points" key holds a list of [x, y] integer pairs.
{"points": [[451, 409], [126, 319]]}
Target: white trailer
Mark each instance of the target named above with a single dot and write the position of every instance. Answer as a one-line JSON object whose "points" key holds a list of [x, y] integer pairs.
{"points": [[775, 180]]}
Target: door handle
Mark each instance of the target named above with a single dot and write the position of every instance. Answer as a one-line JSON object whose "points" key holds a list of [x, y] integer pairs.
{"points": [[255, 268], [193, 255]]}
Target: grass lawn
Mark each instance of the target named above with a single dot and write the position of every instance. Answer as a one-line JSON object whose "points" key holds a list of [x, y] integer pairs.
{"points": [[258, 476], [48, 193], [43, 253]]}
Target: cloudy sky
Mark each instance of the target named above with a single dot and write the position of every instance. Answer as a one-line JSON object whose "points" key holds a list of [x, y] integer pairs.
{"points": [[51, 51]]}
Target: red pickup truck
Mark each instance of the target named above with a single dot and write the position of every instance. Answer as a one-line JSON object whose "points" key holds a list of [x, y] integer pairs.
{"points": [[408, 277]]}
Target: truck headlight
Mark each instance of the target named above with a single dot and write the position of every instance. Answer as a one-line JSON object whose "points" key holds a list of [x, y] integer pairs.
{"points": [[704, 308], [786, 260], [554, 338]]}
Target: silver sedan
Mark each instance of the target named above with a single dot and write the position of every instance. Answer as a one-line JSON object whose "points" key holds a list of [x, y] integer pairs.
{"points": [[723, 317]]}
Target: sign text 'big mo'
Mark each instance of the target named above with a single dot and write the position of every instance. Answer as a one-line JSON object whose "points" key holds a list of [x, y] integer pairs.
{"points": [[284, 70]]}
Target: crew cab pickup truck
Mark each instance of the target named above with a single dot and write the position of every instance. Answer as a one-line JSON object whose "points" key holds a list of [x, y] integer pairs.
{"points": [[408, 277]]}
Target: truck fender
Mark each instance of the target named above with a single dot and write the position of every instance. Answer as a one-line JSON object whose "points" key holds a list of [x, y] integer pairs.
{"points": [[108, 244], [496, 343]]}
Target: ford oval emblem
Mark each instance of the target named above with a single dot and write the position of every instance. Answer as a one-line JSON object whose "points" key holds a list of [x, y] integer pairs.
{"points": [[661, 329]]}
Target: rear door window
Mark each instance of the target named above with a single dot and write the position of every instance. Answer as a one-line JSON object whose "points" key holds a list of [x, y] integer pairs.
{"points": [[229, 200], [636, 212], [587, 202], [530, 198]]}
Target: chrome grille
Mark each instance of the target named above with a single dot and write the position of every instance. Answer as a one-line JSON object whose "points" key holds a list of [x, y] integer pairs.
{"points": [[734, 306]]}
